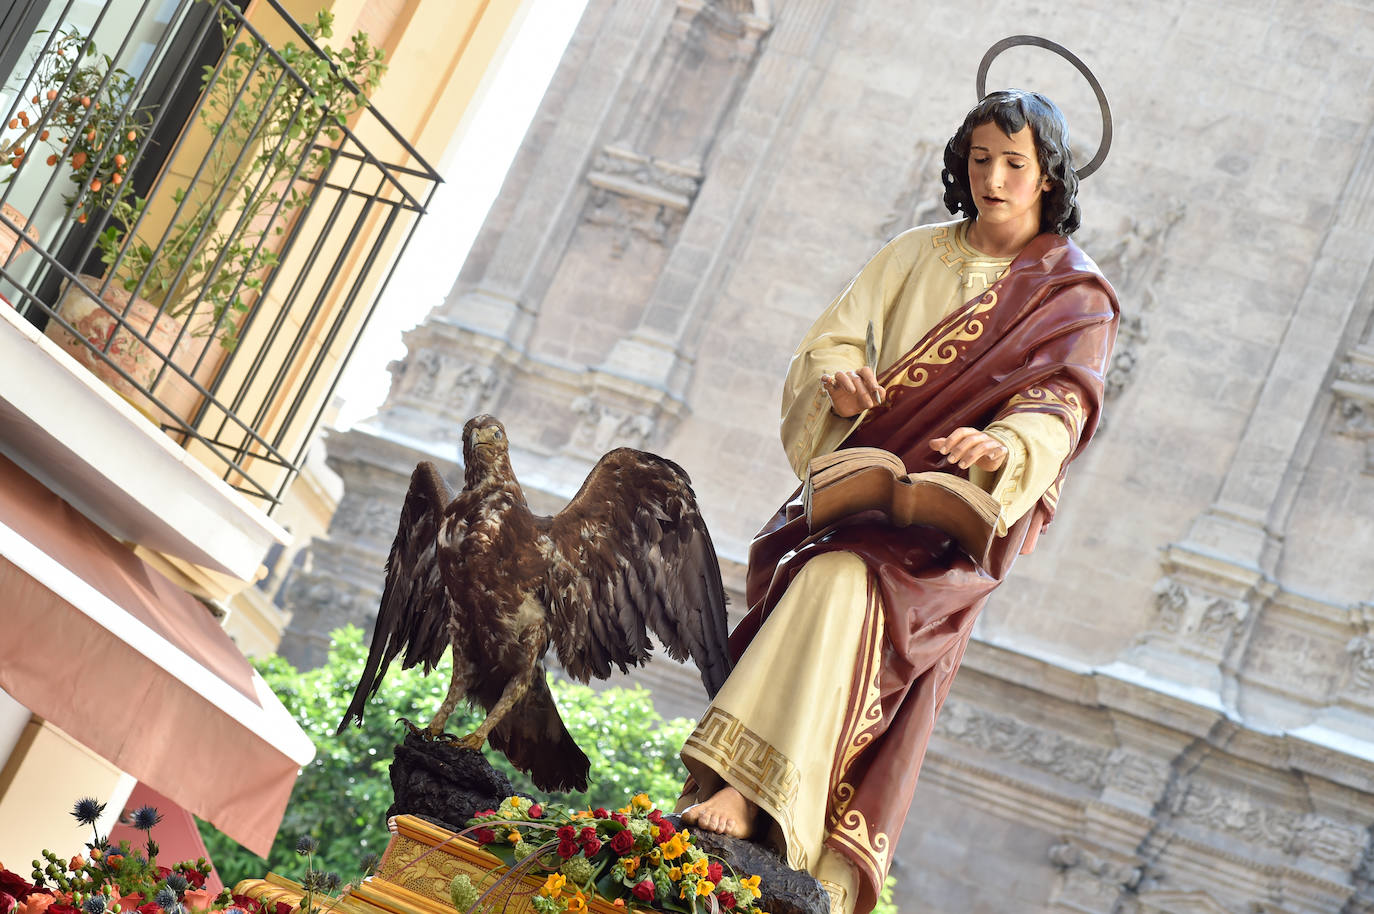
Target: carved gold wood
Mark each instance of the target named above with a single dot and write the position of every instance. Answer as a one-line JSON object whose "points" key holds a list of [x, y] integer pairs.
{"points": [[413, 877]]}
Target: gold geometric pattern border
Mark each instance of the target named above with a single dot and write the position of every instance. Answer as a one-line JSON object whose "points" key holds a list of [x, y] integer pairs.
{"points": [[743, 758]]}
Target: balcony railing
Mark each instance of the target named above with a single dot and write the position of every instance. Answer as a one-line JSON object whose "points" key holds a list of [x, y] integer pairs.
{"points": [[216, 216]]}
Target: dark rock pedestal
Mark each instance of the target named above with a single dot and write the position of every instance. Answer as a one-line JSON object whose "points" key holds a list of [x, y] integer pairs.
{"points": [[444, 783]]}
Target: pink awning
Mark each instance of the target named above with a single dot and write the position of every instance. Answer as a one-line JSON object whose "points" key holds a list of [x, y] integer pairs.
{"points": [[107, 649]]}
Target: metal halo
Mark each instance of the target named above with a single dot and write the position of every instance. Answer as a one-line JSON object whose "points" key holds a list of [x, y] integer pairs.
{"points": [[1036, 41]]}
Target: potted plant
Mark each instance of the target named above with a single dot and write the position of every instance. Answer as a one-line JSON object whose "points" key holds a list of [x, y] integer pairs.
{"points": [[217, 255], [77, 110], [270, 120]]}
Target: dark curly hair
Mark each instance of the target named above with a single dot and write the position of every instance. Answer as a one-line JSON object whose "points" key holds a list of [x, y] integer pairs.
{"points": [[1010, 110]]}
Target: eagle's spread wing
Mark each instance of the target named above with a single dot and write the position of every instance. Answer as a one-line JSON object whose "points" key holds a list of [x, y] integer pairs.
{"points": [[629, 551], [414, 612]]}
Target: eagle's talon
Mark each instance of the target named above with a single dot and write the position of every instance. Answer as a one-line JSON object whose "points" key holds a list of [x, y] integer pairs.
{"points": [[471, 741]]}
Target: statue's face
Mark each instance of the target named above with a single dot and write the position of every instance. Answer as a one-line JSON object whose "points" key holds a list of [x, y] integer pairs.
{"points": [[1004, 175]]}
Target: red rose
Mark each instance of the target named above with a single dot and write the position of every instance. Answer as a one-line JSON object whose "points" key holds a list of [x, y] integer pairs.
{"points": [[536, 811], [601, 813], [588, 832], [195, 877], [591, 845], [566, 849], [714, 872], [151, 907], [726, 899], [666, 831], [622, 842], [567, 833], [619, 817], [644, 891], [282, 908], [654, 816], [7, 902], [15, 886], [163, 872], [484, 835], [484, 813]]}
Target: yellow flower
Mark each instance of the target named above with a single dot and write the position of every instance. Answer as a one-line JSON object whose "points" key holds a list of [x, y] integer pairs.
{"points": [[577, 904], [705, 887], [675, 873], [656, 856], [673, 848], [752, 884], [624, 810], [516, 802], [553, 886], [700, 867], [631, 865], [513, 837], [641, 801]]}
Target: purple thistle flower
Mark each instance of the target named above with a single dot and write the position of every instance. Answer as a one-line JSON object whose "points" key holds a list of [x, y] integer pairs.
{"points": [[87, 810], [145, 817]]}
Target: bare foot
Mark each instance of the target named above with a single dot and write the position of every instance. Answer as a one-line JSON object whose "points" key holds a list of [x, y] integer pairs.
{"points": [[726, 813]]}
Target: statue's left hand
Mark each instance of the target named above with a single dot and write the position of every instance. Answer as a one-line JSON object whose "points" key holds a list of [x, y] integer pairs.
{"points": [[969, 446]]}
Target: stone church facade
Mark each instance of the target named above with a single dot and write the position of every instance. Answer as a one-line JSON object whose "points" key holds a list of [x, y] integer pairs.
{"points": [[1170, 706]]}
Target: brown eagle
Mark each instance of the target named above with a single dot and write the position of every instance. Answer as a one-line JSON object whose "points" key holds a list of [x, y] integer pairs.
{"points": [[484, 574]]}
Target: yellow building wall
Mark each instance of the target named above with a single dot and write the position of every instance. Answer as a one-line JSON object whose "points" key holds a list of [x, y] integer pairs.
{"points": [[41, 780]]}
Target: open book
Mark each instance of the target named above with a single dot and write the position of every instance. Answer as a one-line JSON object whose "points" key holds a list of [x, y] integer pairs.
{"points": [[858, 479]]}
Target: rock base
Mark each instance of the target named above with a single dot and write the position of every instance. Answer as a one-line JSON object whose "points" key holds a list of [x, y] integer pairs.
{"points": [[443, 783]]}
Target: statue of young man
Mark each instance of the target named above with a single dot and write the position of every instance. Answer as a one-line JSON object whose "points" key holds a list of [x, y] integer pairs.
{"points": [[994, 334]]}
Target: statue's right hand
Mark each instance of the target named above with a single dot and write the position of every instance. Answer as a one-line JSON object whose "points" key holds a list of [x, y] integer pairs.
{"points": [[852, 392]]}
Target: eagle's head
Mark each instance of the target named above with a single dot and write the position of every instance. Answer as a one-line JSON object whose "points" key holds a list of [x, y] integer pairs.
{"points": [[484, 445]]}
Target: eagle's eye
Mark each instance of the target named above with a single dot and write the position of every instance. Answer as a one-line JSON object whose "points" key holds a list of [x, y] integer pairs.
{"points": [[496, 434]]}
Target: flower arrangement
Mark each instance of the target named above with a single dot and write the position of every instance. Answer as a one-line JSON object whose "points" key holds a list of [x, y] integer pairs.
{"points": [[118, 880], [634, 856]]}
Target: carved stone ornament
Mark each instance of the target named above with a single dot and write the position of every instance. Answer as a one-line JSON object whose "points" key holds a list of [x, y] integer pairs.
{"points": [[602, 428], [1132, 259], [631, 174], [1354, 390], [1202, 622], [1263, 825], [1091, 881], [445, 379], [1009, 738], [630, 218]]}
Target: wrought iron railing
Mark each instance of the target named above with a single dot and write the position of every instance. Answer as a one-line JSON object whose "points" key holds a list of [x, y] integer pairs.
{"points": [[230, 216]]}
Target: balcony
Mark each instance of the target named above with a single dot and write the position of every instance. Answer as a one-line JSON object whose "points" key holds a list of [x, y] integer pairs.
{"points": [[209, 215]]}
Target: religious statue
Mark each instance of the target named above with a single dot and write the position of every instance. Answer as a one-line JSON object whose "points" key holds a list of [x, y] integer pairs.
{"points": [[993, 334]]}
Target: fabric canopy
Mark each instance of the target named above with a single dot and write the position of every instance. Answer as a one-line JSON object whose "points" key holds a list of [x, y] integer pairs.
{"points": [[107, 649]]}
